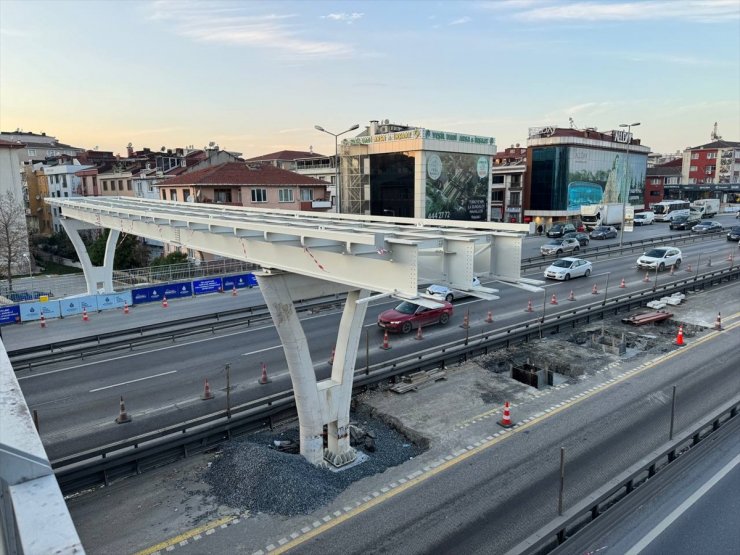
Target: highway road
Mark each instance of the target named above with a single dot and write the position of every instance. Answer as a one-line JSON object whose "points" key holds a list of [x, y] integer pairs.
{"points": [[77, 402]]}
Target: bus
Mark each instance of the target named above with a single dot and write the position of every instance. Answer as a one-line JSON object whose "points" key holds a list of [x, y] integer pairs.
{"points": [[666, 210]]}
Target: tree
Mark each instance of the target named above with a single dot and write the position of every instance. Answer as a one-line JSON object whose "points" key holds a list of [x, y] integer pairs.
{"points": [[175, 257], [13, 234], [130, 252]]}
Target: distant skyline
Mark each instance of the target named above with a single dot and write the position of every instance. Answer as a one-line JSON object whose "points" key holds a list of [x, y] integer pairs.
{"points": [[256, 77]]}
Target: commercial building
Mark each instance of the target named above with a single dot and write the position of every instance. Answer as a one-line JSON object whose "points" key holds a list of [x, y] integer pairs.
{"points": [[406, 171], [567, 168]]}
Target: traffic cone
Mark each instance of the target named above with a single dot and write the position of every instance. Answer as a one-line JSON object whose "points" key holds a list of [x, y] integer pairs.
{"points": [[729, 258], [622, 284], [233, 292], [466, 322], [385, 346], [419, 333], [84, 315], [331, 357], [646, 279], [673, 269], [125, 308], [506, 419], [123, 416], [43, 321], [529, 307], [679, 337], [489, 318], [207, 393], [572, 296], [263, 378], [688, 268], [164, 302], [718, 323], [594, 291], [554, 299]]}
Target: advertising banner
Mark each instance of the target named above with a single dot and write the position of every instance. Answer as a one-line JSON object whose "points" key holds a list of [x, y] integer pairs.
{"points": [[212, 285], [178, 290], [601, 176], [457, 186], [148, 294], [74, 305], [10, 314], [240, 282], [114, 300], [33, 311]]}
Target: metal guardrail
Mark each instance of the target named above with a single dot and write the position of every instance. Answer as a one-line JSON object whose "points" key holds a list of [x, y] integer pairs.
{"points": [[557, 532], [131, 456]]}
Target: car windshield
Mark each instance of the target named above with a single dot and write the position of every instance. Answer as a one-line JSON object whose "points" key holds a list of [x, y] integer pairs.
{"points": [[407, 308], [656, 253], [601, 228], [680, 218], [556, 227], [562, 263], [706, 222], [735, 228], [552, 243]]}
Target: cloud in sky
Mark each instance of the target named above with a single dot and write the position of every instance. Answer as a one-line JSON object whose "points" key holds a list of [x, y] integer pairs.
{"points": [[231, 23], [461, 20], [348, 17], [604, 10]]}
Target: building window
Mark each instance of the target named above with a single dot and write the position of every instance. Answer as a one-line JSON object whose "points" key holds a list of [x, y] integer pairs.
{"points": [[654, 193], [164, 194], [128, 185], [173, 194], [692, 168], [105, 185], [692, 181], [66, 194], [285, 195], [711, 155], [496, 179], [671, 180], [515, 198], [694, 155], [306, 194], [655, 181], [221, 196], [709, 170], [259, 195], [497, 196], [32, 152], [120, 185]]}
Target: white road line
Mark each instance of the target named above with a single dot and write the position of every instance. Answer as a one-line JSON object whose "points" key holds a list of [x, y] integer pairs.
{"points": [[667, 521], [262, 350], [132, 381]]}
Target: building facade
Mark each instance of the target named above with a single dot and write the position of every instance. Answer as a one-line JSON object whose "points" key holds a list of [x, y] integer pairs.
{"points": [[658, 178], [507, 180], [16, 241]]}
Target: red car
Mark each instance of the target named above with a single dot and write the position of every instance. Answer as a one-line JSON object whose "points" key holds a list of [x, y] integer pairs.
{"points": [[407, 316]]}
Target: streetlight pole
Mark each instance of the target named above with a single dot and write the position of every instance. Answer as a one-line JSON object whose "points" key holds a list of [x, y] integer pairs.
{"points": [[30, 269], [336, 160], [629, 127]]}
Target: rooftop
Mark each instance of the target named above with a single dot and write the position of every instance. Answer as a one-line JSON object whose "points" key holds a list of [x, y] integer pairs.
{"points": [[239, 173]]}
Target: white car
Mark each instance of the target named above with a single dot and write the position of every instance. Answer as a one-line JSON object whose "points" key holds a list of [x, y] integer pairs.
{"points": [[660, 258], [566, 268], [448, 293], [644, 218]]}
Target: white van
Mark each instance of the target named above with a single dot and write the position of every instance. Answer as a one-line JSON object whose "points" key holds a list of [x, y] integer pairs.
{"points": [[644, 218]]}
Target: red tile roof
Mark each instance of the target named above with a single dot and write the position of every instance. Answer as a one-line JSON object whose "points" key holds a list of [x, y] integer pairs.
{"points": [[238, 173], [286, 155]]}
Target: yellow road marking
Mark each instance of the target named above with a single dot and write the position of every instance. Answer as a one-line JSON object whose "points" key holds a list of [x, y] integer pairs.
{"points": [[186, 535], [448, 464]]}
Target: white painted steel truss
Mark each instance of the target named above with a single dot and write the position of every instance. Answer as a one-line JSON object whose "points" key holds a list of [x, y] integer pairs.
{"points": [[307, 254]]}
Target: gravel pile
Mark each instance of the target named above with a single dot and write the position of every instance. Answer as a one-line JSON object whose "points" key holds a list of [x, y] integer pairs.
{"points": [[249, 474]]}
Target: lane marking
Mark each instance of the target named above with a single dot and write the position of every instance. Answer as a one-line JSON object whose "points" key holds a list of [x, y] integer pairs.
{"points": [[207, 528], [262, 350], [683, 507], [132, 381]]}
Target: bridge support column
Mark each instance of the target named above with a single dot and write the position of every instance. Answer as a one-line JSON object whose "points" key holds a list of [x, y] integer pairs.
{"points": [[318, 403], [99, 279]]}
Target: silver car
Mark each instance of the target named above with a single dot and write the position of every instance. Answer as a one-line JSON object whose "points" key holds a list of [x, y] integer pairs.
{"points": [[660, 258], [566, 268], [449, 294], [559, 246]]}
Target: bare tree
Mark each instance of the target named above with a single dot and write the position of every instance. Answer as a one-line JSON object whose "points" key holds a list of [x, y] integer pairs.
{"points": [[13, 234]]}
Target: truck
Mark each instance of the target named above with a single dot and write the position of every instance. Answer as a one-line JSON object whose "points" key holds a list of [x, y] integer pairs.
{"points": [[705, 207], [594, 215]]}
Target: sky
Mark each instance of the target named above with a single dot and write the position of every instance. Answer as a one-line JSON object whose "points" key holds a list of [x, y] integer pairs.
{"points": [[256, 77]]}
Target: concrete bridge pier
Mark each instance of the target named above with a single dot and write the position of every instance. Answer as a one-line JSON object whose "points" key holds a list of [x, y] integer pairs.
{"points": [[99, 279], [325, 402]]}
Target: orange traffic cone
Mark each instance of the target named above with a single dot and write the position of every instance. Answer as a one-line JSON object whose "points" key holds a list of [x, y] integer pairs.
{"points": [[506, 419], [385, 346], [43, 321], [84, 315], [489, 318], [718, 323], [529, 307], [646, 279], [688, 268], [622, 284], [125, 308], [263, 378], [572, 296], [729, 257], [419, 333], [331, 357], [594, 291], [233, 292], [123, 416], [466, 322], [207, 393], [554, 299], [679, 337], [164, 302]]}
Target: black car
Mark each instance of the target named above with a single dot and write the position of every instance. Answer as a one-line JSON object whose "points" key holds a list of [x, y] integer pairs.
{"points": [[683, 222], [707, 226], [582, 237], [604, 232], [734, 233], [558, 230]]}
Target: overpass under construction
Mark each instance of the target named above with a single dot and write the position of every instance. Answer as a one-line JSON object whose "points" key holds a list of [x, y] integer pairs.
{"points": [[305, 255]]}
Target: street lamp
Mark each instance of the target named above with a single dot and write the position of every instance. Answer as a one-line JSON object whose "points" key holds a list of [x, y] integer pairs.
{"points": [[28, 259], [336, 159], [629, 127]]}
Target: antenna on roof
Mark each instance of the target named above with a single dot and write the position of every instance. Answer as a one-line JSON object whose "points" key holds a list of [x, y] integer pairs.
{"points": [[572, 123], [715, 136]]}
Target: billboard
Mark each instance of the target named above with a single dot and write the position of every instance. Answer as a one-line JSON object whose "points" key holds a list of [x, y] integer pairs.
{"points": [[596, 176], [457, 186]]}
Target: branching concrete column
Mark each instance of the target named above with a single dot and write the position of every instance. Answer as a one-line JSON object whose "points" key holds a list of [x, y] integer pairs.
{"points": [[99, 279], [278, 298], [338, 389]]}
